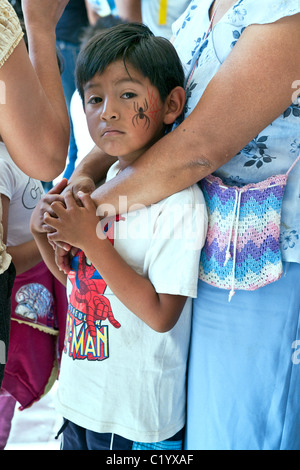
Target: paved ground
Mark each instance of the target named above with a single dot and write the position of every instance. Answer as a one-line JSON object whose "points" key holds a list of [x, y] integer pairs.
{"points": [[35, 428]]}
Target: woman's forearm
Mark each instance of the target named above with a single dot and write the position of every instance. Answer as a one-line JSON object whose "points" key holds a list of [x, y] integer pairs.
{"points": [[95, 166], [31, 127], [24, 256], [129, 10], [34, 122]]}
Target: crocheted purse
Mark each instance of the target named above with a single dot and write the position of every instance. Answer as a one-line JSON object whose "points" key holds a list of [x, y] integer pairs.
{"points": [[242, 249]]}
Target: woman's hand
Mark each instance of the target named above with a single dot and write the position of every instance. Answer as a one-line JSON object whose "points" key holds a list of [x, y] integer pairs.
{"points": [[80, 184], [43, 14], [37, 224]]}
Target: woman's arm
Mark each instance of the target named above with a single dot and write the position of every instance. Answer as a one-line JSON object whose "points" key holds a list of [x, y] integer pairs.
{"points": [[159, 311], [129, 10], [24, 256], [34, 122], [251, 89], [91, 171]]}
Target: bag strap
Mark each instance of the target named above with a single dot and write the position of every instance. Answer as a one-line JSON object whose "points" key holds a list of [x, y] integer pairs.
{"points": [[292, 166]]}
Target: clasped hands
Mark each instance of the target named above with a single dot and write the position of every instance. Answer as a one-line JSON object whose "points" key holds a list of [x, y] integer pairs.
{"points": [[67, 215]]}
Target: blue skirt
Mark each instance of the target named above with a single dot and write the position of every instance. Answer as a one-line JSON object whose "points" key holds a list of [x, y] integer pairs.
{"points": [[244, 368]]}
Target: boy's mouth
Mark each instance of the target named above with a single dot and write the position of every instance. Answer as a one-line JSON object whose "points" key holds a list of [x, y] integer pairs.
{"points": [[111, 132]]}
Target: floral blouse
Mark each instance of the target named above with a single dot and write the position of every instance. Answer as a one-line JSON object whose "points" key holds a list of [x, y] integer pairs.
{"points": [[275, 149], [10, 36]]}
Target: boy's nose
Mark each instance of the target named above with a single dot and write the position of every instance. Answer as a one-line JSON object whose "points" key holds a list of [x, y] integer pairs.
{"points": [[109, 112]]}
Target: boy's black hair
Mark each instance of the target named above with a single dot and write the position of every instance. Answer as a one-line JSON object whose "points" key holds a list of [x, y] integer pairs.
{"points": [[135, 44]]}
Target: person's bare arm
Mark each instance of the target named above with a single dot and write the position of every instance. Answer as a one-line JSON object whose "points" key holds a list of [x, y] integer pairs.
{"points": [[129, 10], [39, 231], [24, 256], [34, 122], [251, 89], [91, 171], [44, 247], [92, 15]]}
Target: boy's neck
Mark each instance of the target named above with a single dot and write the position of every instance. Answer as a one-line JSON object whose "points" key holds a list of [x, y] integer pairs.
{"points": [[127, 160]]}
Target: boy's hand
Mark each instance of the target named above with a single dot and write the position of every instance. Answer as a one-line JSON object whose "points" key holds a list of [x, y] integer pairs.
{"points": [[81, 184], [72, 224], [43, 14], [37, 224], [63, 258]]}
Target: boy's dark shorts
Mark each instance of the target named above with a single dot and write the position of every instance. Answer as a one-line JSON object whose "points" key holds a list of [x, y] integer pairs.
{"points": [[75, 437], [6, 284]]}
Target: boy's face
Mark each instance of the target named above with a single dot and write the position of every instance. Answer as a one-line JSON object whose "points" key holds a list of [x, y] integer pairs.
{"points": [[125, 114]]}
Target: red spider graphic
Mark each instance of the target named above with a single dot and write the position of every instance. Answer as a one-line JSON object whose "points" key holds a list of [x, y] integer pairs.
{"points": [[87, 295]]}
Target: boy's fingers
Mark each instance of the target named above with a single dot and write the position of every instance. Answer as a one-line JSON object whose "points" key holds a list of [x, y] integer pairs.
{"points": [[86, 200], [57, 207], [59, 187], [70, 200], [65, 247], [47, 228], [49, 220]]}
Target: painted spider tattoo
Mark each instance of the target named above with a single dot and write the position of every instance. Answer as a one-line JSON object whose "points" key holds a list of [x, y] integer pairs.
{"points": [[140, 114]]}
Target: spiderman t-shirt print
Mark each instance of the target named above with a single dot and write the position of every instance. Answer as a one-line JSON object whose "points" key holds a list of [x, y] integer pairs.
{"points": [[89, 311]]}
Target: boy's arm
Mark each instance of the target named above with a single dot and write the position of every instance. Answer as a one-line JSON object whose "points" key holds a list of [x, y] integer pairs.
{"points": [[47, 254], [159, 311], [40, 231]]}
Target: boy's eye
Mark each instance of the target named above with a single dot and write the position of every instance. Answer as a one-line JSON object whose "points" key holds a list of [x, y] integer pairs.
{"points": [[95, 100], [128, 94]]}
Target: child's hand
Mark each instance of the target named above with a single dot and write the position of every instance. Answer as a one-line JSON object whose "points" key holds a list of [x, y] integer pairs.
{"points": [[37, 224], [63, 258], [81, 184], [73, 224]]}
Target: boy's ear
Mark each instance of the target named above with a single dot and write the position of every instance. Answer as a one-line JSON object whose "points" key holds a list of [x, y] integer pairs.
{"points": [[174, 104]]}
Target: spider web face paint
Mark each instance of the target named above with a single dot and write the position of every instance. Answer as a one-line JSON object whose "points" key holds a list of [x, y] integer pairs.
{"points": [[154, 105]]}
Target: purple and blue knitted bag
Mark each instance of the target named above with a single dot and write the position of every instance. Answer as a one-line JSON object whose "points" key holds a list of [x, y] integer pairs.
{"points": [[242, 248]]}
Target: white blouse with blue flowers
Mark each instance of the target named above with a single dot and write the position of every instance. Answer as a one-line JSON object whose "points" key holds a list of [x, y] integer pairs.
{"points": [[275, 149]]}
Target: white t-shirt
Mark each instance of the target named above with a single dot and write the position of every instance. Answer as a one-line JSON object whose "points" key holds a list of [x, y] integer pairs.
{"points": [[24, 194], [130, 379]]}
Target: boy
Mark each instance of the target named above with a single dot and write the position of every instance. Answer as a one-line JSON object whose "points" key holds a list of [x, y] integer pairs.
{"points": [[122, 381]]}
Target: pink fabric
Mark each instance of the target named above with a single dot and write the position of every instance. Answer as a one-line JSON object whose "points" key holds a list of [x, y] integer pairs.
{"points": [[7, 408], [32, 353]]}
